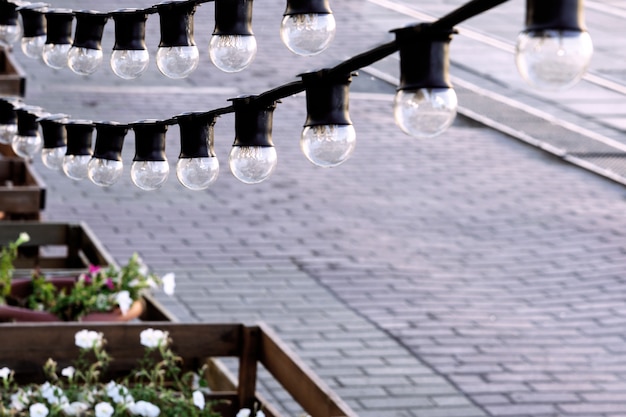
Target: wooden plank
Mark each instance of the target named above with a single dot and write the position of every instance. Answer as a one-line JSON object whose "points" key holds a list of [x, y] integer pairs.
{"points": [[12, 76], [303, 385], [248, 359]]}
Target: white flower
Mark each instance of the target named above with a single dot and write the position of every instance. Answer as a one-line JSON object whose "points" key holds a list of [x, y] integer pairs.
{"points": [[169, 283], [198, 400], [104, 410], [19, 400], [74, 409], [4, 373], [118, 393], [144, 409], [123, 300], [244, 412], [152, 338], [38, 410], [23, 238], [260, 414], [88, 339], [68, 372]]}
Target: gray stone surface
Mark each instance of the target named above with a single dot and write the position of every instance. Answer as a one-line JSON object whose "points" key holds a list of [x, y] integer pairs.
{"points": [[469, 275]]}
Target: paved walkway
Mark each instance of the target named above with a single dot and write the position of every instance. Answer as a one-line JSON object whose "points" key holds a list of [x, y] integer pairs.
{"points": [[471, 275]]}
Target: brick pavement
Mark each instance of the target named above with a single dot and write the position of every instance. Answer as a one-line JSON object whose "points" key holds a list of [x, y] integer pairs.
{"points": [[470, 275]]}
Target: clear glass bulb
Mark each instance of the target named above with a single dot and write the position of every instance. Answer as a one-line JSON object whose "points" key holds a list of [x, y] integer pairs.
{"points": [[9, 34], [55, 55], [232, 53], [308, 34], [149, 175], [26, 146], [252, 164], [84, 61], [425, 112], [52, 158], [75, 166], [328, 145], [7, 132], [104, 172], [197, 173], [33, 47], [129, 64], [553, 59], [178, 61]]}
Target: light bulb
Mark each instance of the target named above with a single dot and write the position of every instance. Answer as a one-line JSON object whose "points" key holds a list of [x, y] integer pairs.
{"points": [[7, 131], [55, 55], [59, 37], [8, 120], [328, 145], [177, 61], [129, 64], [75, 166], [9, 34], [104, 172], [130, 57], [52, 158], [84, 61], [54, 140], [26, 146], [27, 140], [252, 164], [149, 175], [197, 173], [32, 47], [232, 53], [553, 59], [425, 112], [106, 166], [78, 154], [34, 23], [307, 34]]}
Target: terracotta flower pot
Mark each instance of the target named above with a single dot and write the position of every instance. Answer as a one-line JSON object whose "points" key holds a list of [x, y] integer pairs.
{"points": [[21, 288]]}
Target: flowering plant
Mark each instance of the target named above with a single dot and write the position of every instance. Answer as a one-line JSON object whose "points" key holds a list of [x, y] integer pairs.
{"points": [[98, 290], [157, 387]]}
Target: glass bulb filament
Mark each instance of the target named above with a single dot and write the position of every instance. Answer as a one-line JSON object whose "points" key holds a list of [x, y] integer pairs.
{"points": [[328, 145], [232, 53], [252, 164], [308, 34]]}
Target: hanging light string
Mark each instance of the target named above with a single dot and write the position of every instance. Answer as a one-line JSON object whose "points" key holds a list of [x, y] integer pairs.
{"points": [[424, 94]]}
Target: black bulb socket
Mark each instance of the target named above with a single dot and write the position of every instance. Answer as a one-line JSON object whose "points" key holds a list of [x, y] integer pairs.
{"points": [[130, 29], [89, 29], [176, 19], [554, 15], [233, 17], [149, 140], [109, 140], [8, 13], [33, 20], [327, 98], [197, 132], [27, 124], [307, 7], [424, 57], [53, 131], [8, 116], [253, 122], [59, 26], [79, 137]]}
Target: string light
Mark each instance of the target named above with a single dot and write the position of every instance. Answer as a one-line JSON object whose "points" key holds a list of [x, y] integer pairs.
{"points": [[177, 56], [54, 140], [424, 106], [59, 37], [233, 45], [10, 27], [34, 22], [308, 26], [79, 137], [85, 56]]}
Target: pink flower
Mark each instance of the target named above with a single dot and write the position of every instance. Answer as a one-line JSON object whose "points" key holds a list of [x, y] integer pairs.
{"points": [[94, 269], [110, 284]]}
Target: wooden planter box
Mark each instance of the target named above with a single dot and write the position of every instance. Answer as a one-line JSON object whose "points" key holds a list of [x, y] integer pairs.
{"points": [[22, 192], [25, 348], [12, 77], [61, 249]]}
